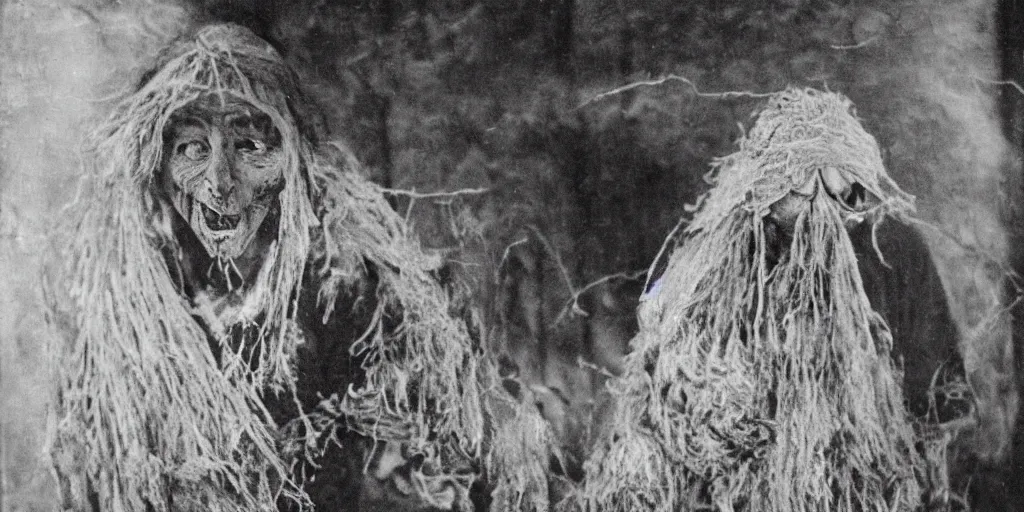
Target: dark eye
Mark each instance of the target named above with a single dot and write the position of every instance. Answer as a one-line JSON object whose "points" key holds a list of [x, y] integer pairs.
{"points": [[194, 150], [251, 146]]}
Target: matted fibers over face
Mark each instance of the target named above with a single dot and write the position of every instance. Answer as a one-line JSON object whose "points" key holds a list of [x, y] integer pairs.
{"points": [[762, 380], [145, 416]]}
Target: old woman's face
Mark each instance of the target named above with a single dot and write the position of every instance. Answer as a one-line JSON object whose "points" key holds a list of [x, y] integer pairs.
{"points": [[222, 169]]}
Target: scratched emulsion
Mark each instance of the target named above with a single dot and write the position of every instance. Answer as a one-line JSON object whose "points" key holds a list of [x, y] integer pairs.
{"points": [[920, 71]]}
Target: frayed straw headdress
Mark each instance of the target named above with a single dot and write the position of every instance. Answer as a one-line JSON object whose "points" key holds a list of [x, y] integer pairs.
{"points": [[766, 385], [146, 417]]}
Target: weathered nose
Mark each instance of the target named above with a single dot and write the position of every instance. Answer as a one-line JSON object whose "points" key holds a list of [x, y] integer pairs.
{"points": [[847, 190], [219, 182], [219, 190]]}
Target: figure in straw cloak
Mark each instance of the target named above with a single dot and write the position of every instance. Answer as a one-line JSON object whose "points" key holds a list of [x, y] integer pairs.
{"points": [[761, 378], [247, 324]]}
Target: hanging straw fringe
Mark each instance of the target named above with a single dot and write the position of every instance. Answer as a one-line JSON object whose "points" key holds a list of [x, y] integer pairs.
{"points": [[766, 385], [145, 417]]}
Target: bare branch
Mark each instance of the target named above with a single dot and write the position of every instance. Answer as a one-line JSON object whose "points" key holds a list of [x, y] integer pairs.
{"points": [[558, 259], [1011, 83], [1009, 273], [506, 254], [855, 46], [593, 367], [573, 303], [676, 78], [664, 246], [540, 389], [428, 195]]}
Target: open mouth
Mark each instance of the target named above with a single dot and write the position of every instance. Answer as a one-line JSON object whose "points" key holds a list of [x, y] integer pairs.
{"points": [[218, 222], [857, 198]]}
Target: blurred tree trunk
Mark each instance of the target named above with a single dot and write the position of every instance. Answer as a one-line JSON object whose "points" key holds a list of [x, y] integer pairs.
{"points": [[1010, 19], [559, 40], [387, 10], [627, 35], [1010, 38], [382, 113], [387, 16], [3, 430]]}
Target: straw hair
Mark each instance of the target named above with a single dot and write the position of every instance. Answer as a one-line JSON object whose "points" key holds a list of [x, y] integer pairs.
{"points": [[764, 382], [145, 415]]}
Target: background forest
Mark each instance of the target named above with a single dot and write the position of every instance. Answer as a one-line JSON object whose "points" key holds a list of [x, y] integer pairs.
{"points": [[508, 136]]}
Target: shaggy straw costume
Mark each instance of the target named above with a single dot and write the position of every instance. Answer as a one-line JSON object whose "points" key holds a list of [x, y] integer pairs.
{"points": [[761, 379], [159, 410]]}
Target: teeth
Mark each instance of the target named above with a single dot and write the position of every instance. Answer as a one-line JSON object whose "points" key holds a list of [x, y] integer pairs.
{"points": [[218, 222]]}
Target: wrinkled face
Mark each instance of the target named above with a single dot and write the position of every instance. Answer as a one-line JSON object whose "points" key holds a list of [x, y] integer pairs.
{"points": [[223, 168]]}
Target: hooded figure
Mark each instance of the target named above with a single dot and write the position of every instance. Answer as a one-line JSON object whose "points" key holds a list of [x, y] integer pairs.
{"points": [[247, 320], [761, 378]]}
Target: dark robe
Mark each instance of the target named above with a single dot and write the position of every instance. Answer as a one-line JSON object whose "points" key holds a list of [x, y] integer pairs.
{"points": [[910, 297]]}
